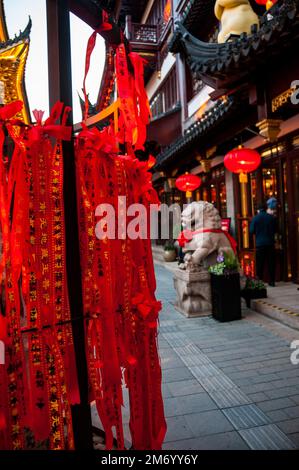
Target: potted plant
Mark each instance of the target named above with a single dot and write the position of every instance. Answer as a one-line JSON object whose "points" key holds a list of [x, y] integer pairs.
{"points": [[169, 252], [225, 287], [254, 289]]}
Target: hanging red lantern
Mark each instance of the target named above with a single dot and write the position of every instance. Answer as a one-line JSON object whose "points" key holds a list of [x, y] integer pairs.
{"points": [[242, 161], [268, 3], [188, 183]]}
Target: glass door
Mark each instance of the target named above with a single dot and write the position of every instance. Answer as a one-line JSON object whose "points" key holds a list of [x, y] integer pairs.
{"points": [[272, 187], [295, 219]]}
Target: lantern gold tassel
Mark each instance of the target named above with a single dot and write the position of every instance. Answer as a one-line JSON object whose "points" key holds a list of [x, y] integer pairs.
{"points": [[243, 178]]}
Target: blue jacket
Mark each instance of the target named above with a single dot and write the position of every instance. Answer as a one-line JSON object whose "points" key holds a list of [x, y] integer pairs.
{"points": [[263, 226]]}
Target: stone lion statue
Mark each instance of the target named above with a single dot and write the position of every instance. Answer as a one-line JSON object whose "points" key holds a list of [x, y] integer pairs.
{"points": [[236, 17], [205, 240]]}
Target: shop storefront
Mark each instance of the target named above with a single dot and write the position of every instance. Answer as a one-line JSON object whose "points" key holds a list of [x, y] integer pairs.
{"points": [[279, 178], [213, 189]]}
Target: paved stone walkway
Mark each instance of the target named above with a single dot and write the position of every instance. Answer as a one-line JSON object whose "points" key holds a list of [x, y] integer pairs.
{"points": [[226, 386]]}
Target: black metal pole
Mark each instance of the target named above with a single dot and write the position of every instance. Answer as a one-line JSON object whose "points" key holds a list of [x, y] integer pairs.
{"points": [[60, 88]]}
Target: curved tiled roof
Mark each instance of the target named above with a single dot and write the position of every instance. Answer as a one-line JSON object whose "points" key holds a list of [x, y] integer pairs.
{"points": [[23, 35], [208, 121], [218, 60]]}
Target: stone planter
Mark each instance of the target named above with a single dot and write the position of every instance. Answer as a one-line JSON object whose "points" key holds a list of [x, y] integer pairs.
{"points": [[226, 297], [169, 255], [193, 293]]}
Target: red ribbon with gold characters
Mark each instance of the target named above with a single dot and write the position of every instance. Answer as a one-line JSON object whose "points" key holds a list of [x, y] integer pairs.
{"points": [[117, 273], [119, 296], [38, 384]]}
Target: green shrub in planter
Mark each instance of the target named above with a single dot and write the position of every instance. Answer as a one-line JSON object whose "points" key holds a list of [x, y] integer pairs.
{"points": [[254, 289], [225, 287]]}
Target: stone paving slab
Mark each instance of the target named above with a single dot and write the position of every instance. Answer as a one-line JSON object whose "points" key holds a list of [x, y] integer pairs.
{"points": [[178, 429], [278, 404], [223, 441], [277, 416], [233, 386], [289, 426], [185, 405], [230, 398], [185, 388], [244, 417], [208, 422], [173, 375], [267, 438]]}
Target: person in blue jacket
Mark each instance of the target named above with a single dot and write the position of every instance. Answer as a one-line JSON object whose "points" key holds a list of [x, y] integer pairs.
{"points": [[263, 226]]}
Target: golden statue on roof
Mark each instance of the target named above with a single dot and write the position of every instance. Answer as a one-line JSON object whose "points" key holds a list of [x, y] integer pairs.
{"points": [[236, 17], [13, 57]]}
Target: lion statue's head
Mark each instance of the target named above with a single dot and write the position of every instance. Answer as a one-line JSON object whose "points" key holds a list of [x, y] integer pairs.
{"points": [[205, 239], [202, 214]]}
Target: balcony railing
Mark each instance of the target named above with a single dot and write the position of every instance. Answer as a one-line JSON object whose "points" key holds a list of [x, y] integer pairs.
{"points": [[146, 33]]}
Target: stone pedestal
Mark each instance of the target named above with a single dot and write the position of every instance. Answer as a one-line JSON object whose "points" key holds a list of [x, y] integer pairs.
{"points": [[193, 293]]}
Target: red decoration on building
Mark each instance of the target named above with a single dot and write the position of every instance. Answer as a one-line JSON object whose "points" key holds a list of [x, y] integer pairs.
{"points": [[267, 3], [188, 182], [151, 162], [167, 11], [242, 161]]}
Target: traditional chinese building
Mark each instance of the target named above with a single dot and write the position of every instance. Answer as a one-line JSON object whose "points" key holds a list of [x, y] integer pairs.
{"points": [[13, 57], [209, 97]]}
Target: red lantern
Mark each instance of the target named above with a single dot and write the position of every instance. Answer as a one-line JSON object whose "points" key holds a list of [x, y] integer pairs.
{"points": [[242, 161], [188, 183], [268, 3]]}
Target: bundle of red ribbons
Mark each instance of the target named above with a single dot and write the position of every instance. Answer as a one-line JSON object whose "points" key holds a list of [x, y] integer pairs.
{"points": [[119, 299], [118, 275], [38, 382]]}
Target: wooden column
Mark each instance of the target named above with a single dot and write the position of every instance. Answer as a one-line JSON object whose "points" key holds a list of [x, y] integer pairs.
{"points": [[60, 88], [181, 84]]}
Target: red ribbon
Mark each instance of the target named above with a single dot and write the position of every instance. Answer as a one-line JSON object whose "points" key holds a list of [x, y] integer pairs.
{"points": [[105, 26], [10, 110], [142, 107], [118, 287], [99, 140], [186, 236], [32, 218], [147, 307], [60, 132]]}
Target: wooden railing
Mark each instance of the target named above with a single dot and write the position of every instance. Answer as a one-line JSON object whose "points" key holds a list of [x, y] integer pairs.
{"points": [[145, 33]]}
